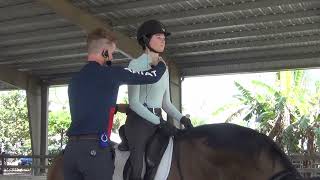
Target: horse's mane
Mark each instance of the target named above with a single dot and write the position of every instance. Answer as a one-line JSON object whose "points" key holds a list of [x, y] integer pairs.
{"points": [[231, 137]]}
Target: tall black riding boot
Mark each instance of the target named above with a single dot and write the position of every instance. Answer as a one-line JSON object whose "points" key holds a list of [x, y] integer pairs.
{"points": [[123, 146]]}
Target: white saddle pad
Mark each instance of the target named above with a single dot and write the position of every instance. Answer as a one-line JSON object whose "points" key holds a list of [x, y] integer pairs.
{"points": [[162, 172]]}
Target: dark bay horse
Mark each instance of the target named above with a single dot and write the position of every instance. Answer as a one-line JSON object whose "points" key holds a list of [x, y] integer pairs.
{"points": [[221, 152]]}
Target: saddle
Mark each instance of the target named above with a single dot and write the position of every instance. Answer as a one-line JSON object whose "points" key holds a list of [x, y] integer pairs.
{"points": [[155, 149], [156, 146]]}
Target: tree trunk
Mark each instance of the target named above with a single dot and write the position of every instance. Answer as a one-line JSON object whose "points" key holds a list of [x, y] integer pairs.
{"points": [[61, 139], [302, 145], [310, 141], [276, 128]]}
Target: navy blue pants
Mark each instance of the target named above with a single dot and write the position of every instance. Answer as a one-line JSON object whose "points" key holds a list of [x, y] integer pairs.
{"points": [[85, 160]]}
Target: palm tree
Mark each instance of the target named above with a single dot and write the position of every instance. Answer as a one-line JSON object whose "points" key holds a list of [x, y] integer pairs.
{"points": [[287, 111]]}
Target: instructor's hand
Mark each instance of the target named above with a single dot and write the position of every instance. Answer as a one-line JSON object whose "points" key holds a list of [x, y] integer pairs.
{"points": [[162, 60], [111, 47]]}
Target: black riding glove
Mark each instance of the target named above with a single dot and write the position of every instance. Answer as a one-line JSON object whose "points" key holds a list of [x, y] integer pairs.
{"points": [[186, 122], [166, 128]]}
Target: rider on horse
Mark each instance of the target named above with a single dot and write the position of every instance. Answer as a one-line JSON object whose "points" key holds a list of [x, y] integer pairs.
{"points": [[146, 101]]}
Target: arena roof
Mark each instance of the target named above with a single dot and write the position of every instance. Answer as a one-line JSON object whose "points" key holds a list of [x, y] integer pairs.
{"points": [[45, 39]]}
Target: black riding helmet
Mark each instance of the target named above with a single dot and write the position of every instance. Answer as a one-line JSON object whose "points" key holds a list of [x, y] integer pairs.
{"points": [[149, 28]]}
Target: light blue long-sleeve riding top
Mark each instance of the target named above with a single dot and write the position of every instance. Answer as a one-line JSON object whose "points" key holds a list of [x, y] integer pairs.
{"points": [[155, 95]]}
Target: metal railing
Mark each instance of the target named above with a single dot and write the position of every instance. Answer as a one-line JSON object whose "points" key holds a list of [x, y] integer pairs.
{"points": [[307, 164], [9, 164]]}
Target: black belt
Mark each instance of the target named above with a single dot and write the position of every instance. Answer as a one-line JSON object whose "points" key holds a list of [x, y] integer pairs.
{"points": [[83, 137], [156, 111]]}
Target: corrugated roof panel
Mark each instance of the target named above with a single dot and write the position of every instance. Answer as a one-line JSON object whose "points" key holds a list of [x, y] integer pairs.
{"points": [[6, 3], [34, 39], [41, 35], [5, 86], [22, 10]]}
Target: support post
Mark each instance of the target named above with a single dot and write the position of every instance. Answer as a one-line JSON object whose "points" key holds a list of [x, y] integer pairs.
{"points": [[175, 87], [44, 126], [36, 102]]}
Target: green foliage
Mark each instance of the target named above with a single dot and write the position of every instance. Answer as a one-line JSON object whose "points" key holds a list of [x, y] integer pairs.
{"points": [[246, 97], [288, 110], [120, 118], [59, 122], [196, 121], [14, 123], [224, 108]]}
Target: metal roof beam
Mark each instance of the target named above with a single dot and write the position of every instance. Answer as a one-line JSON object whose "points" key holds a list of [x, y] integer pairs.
{"points": [[247, 54], [246, 45], [56, 71], [265, 58], [30, 21], [262, 66], [205, 38], [29, 8], [63, 78], [44, 56], [6, 3], [19, 50], [49, 34], [89, 22], [61, 63], [16, 78], [68, 64]]}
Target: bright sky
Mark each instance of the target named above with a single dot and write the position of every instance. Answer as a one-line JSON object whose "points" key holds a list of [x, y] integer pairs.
{"points": [[203, 95]]}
